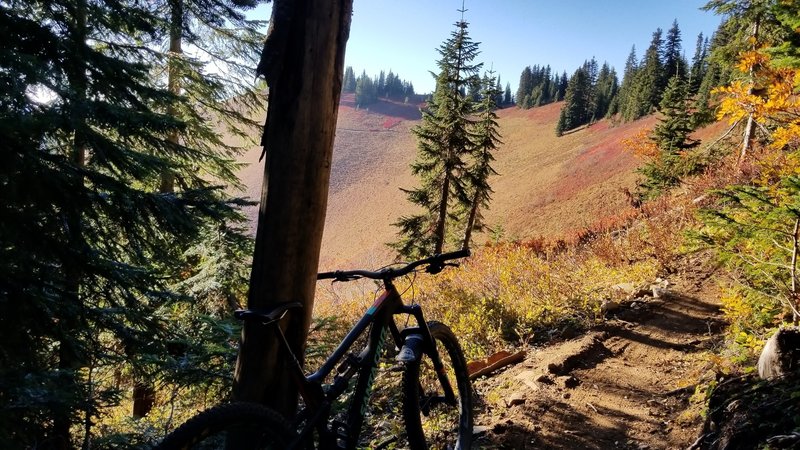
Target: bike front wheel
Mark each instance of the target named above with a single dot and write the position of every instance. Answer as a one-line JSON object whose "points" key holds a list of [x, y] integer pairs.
{"points": [[240, 426], [431, 420]]}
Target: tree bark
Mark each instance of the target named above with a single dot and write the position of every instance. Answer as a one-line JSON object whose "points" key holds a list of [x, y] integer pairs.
{"points": [[750, 128], [173, 82], [302, 61]]}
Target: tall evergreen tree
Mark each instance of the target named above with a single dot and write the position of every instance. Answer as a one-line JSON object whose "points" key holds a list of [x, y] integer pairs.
{"points": [[443, 143], [485, 138], [349, 81], [562, 86], [507, 100], [366, 90], [605, 91], [671, 137], [88, 238], [576, 110], [524, 88], [699, 64], [672, 54], [643, 94]]}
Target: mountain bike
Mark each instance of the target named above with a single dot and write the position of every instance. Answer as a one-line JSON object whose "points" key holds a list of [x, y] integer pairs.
{"points": [[436, 390]]}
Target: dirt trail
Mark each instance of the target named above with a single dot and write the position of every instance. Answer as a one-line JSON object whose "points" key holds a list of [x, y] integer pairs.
{"points": [[626, 384]]}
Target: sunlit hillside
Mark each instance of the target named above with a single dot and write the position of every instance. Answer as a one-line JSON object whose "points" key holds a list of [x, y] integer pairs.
{"points": [[547, 186]]}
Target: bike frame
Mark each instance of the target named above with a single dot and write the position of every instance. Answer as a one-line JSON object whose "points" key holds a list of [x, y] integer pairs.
{"points": [[379, 318]]}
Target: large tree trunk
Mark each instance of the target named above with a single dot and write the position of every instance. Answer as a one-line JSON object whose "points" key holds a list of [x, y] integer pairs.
{"points": [[302, 62]]}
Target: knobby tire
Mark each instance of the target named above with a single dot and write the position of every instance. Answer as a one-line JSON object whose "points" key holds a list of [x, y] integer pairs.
{"points": [[441, 425], [240, 426]]}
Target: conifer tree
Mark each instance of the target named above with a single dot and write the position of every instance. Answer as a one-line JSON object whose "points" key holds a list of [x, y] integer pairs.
{"points": [[699, 64], [605, 91], [563, 81], [672, 54], [507, 95], [671, 137], [366, 90], [349, 81], [87, 239], [576, 110], [485, 138], [443, 144], [643, 94], [524, 88]]}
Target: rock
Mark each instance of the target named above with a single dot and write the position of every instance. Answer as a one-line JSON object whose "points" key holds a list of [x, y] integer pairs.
{"points": [[659, 288], [609, 306], [517, 398], [569, 382], [479, 430], [625, 288], [781, 354], [529, 378]]}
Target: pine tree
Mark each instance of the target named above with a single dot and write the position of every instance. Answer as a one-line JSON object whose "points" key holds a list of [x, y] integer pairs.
{"points": [[562, 86], [507, 95], [671, 137], [87, 240], [699, 64], [349, 82], [524, 88], [605, 91], [485, 138], [443, 143], [366, 90], [643, 94], [626, 88], [672, 54], [577, 109]]}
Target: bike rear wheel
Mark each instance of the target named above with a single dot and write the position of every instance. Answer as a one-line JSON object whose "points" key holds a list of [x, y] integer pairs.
{"points": [[432, 422], [240, 426]]}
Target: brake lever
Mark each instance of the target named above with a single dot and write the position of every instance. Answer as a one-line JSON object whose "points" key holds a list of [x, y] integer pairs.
{"points": [[342, 278], [436, 268]]}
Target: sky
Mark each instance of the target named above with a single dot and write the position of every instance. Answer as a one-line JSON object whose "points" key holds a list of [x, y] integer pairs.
{"points": [[403, 35]]}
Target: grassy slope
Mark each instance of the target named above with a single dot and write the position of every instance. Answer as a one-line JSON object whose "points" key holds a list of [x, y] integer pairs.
{"points": [[548, 186]]}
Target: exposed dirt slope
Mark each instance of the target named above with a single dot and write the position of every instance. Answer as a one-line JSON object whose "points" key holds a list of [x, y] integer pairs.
{"points": [[626, 384]]}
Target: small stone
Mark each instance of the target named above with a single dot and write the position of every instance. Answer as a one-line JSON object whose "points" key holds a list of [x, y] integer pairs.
{"points": [[609, 306], [543, 378], [571, 382], [566, 395], [479, 430], [517, 398]]}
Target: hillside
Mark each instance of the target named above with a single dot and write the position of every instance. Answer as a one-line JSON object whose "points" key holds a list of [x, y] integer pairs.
{"points": [[547, 186]]}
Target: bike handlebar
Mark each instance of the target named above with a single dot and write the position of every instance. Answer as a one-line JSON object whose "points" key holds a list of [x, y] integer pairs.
{"points": [[435, 263]]}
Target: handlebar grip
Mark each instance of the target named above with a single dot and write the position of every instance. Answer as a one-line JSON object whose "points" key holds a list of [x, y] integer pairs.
{"points": [[326, 275]]}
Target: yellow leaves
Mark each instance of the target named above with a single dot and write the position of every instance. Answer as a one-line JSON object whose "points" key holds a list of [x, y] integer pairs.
{"points": [[750, 60], [769, 94], [738, 102], [641, 145], [788, 135]]}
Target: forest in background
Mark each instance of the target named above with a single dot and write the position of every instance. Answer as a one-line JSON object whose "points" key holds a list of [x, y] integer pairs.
{"points": [[122, 254]]}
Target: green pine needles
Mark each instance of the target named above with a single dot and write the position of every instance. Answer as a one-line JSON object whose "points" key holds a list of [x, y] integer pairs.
{"points": [[113, 174], [454, 150]]}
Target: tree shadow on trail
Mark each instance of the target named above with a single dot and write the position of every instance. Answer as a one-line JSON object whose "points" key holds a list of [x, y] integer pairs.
{"points": [[557, 425], [674, 318]]}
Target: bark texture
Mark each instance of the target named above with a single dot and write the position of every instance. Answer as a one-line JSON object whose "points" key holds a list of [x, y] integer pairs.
{"points": [[303, 62]]}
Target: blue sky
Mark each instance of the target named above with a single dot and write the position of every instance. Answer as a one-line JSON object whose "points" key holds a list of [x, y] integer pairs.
{"points": [[403, 35]]}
